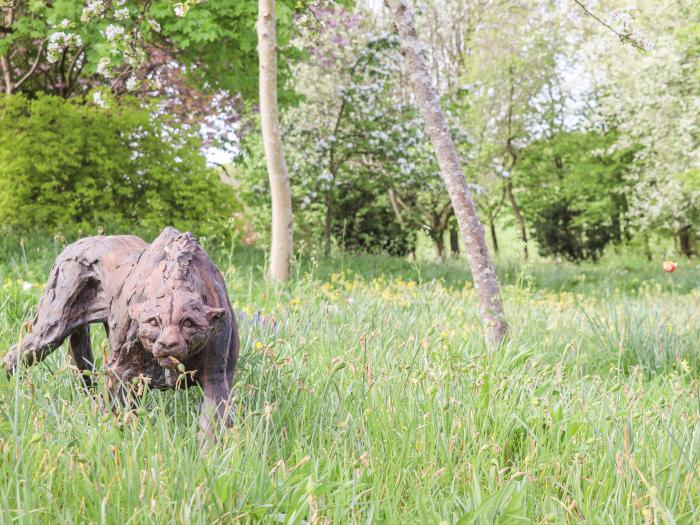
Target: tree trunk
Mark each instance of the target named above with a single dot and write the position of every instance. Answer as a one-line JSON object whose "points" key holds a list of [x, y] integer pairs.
{"points": [[494, 239], [328, 231], [439, 241], [454, 239], [686, 242], [519, 217], [485, 280], [6, 75], [281, 249], [4, 62], [395, 206], [510, 149], [647, 248]]}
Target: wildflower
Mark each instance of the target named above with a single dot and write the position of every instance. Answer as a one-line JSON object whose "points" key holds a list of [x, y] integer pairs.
{"points": [[670, 266], [131, 83], [180, 10], [26, 286]]}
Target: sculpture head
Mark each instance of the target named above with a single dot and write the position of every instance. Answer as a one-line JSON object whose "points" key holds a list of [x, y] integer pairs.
{"points": [[176, 326]]}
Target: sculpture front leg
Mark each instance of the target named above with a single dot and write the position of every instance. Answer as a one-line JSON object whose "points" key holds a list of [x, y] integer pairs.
{"points": [[215, 411], [119, 389]]}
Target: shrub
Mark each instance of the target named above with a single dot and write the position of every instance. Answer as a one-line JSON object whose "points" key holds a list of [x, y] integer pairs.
{"points": [[69, 167], [573, 192]]}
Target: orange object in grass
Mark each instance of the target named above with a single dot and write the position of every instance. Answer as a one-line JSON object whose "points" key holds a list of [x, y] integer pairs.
{"points": [[670, 266]]}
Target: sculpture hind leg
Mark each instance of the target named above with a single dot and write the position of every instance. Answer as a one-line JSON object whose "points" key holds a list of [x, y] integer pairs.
{"points": [[81, 351], [72, 298]]}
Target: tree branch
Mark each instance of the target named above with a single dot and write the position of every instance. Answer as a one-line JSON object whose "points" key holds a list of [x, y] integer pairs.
{"points": [[71, 69], [34, 65], [445, 214], [395, 206], [624, 37]]}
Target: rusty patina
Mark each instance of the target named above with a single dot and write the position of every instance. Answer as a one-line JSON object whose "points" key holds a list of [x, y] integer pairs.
{"points": [[165, 309]]}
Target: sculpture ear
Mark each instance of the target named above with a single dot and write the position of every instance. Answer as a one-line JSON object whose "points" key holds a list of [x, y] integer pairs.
{"points": [[215, 316]]}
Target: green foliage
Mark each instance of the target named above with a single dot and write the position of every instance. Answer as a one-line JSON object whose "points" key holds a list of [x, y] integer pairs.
{"points": [[215, 42], [348, 146], [572, 190], [367, 223], [219, 37], [67, 166]]}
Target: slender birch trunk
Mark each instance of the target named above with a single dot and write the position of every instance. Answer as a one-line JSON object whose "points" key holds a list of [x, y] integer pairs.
{"points": [[485, 280], [281, 249], [4, 62], [510, 149], [6, 75]]}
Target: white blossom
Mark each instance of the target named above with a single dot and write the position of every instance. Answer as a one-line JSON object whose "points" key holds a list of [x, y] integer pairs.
{"points": [[94, 8], [326, 176], [154, 25], [58, 42], [103, 67], [122, 13], [98, 100], [654, 99], [114, 32]]}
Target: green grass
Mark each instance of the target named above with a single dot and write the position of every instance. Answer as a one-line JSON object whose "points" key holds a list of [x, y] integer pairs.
{"points": [[374, 400]]}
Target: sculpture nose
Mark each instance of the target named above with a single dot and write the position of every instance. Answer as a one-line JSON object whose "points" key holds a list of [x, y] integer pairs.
{"points": [[167, 344]]}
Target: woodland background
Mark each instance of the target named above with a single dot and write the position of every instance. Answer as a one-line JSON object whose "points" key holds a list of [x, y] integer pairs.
{"points": [[575, 138]]}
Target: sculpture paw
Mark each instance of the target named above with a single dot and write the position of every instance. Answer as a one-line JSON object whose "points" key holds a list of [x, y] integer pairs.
{"points": [[213, 424], [10, 361]]}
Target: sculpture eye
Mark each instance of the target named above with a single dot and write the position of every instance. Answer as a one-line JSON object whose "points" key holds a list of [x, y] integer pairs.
{"points": [[152, 321], [187, 323]]}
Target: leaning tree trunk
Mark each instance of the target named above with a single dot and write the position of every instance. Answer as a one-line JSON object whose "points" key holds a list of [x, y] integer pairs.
{"points": [[485, 280], [281, 249]]}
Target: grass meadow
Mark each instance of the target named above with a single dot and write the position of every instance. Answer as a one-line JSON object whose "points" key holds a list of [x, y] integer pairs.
{"points": [[364, 394]]}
